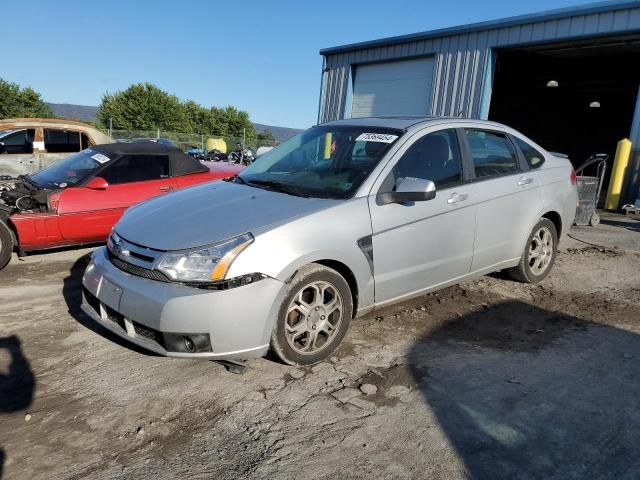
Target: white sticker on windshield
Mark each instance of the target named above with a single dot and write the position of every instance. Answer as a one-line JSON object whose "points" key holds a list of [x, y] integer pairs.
{"points": [[100, 158], [376, 137]]}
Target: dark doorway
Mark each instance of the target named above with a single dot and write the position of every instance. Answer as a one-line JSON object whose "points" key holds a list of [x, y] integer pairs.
{"points": [[560, 118]]}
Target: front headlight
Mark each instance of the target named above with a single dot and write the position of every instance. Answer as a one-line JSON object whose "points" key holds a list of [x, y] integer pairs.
{"points": [[206, 264]]}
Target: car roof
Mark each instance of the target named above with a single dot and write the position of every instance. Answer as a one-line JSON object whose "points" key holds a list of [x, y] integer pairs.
{"points": [[54, 123], [404, 122]]}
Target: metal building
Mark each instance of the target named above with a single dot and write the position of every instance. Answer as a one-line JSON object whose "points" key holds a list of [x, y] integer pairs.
{"points": [[567, 78]]}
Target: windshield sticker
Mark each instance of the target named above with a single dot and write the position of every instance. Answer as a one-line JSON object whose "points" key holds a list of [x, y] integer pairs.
{"points": [[376, 137], [100, 158]]}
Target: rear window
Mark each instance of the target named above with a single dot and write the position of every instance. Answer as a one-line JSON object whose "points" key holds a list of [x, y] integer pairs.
{"points": [[533, 157]]}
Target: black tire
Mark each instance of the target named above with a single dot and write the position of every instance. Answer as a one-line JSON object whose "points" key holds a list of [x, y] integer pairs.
{"points": [[301, 284], [7, 244], [527, 273]]}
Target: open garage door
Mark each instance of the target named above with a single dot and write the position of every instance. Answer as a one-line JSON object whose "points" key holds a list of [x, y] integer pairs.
{"points": [[576, 98], [393, 88]]}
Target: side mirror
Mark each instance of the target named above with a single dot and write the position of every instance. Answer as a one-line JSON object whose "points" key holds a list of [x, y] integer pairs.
{"points": [[409, 190], [97, 183]]}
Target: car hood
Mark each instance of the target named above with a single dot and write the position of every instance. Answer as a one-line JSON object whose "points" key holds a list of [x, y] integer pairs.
{"points": [[211, 212]]}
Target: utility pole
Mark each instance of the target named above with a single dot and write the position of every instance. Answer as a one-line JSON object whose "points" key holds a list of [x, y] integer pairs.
{"points": [[111, 127]]}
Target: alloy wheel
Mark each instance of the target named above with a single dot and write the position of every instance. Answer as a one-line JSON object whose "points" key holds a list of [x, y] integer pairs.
{"points": [[541, 251], [313, 317]]}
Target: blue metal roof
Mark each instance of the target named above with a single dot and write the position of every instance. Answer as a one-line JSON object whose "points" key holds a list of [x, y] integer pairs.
{"points": [[590, 8]]}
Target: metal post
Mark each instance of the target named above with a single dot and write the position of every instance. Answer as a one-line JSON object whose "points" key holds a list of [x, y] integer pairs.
{"points": [[244, 139], [111, 127], [158, 134]]}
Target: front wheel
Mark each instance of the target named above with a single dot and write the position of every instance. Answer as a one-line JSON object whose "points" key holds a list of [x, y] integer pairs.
{"points": [[539, 253], [6, 244], [314, 316]]}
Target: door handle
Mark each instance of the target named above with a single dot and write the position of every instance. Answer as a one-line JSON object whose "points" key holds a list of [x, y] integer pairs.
{"points": [[457, 198], [166, 189], [523, 182]]}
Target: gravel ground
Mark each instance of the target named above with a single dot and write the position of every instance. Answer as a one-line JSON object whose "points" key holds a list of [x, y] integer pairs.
{"points": [[489, 379]]}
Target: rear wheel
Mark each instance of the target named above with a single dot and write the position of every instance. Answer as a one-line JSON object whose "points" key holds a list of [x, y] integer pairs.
{"points": [[539, 253], [6, 244], [314, 316]]}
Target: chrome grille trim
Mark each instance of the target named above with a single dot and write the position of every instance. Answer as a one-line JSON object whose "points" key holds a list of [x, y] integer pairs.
{"points": [[131, 253]]}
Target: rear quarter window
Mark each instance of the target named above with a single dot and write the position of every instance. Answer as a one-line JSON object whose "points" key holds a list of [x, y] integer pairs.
{"points": [[534, 158]]}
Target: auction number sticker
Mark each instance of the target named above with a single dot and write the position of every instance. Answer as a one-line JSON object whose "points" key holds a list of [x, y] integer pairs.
{"points": [[100, 158], [376, 137]]}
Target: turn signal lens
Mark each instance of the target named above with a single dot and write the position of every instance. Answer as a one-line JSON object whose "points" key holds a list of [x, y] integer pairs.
{"points": [[574, 178], [223, 265]]}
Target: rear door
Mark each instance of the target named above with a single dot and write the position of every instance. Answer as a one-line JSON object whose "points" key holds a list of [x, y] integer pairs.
{"points": [[60, 143], [88, 215], [418, 245], [505, 192]]}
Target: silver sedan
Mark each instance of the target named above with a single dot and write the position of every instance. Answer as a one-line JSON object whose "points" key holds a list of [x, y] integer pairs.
{"points": [[345, 218]]}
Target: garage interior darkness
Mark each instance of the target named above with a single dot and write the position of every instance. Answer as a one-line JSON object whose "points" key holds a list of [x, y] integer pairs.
{"points": [[560, 117]]}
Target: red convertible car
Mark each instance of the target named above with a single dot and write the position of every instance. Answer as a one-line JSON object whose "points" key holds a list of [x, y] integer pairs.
{"points": [[77, 200]]}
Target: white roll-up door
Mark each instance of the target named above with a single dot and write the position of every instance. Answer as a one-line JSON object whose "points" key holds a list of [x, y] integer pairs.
{"points": [[393, 88]]}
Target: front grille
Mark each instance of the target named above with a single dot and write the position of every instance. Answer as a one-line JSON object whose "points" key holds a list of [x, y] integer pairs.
{"points": [[91, 299], [115, 317], [148, 333], [112, 315], [136, 270]]}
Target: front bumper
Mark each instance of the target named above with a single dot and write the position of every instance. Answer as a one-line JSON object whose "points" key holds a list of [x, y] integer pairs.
{"points": [[238, 321]]}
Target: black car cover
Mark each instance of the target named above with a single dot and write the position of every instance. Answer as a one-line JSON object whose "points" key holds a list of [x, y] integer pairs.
{"points": [[180, 162]]}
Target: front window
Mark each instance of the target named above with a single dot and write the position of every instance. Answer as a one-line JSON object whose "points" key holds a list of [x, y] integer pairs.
{"points": [[71, 170], [322, 162], [435, 157]]}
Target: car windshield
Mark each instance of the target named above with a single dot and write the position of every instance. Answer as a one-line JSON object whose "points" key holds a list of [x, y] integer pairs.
{"points": [[323, 162], [71, 170]]}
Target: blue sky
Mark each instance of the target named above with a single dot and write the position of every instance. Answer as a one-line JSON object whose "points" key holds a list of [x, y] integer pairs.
{"points": [[261, 56]]}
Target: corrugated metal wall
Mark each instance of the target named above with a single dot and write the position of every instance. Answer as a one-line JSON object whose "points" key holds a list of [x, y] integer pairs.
{"points": [[463, 62]]}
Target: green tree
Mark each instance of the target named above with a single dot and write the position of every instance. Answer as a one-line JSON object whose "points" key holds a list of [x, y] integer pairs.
{"points": [[265, 137], [16, 102], [143, 106], [238, 122]]}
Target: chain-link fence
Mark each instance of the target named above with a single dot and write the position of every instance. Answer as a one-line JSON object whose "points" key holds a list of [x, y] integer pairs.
{"points": [[188, 141]]}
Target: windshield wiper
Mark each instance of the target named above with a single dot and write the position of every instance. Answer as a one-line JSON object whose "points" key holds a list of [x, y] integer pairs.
{"points": [[239, 179], [277, 186]]}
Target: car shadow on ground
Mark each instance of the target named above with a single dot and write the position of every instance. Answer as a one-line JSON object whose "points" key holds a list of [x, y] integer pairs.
{"points": [[72, 292], [631, 225], [524, 393], [17, 385]]}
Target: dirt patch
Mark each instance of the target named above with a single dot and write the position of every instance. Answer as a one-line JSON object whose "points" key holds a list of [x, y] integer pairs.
{"points": [[593, 250]]}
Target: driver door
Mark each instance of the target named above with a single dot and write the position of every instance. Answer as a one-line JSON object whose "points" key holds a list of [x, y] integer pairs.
{"points": [[87, 215], [420, 245]]}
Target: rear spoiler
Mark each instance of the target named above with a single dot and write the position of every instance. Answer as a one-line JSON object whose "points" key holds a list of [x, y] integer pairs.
{"points": [[561, 155]]}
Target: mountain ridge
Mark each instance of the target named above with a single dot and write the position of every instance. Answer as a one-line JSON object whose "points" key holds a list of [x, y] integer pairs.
{"points": [[87, 113]]}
